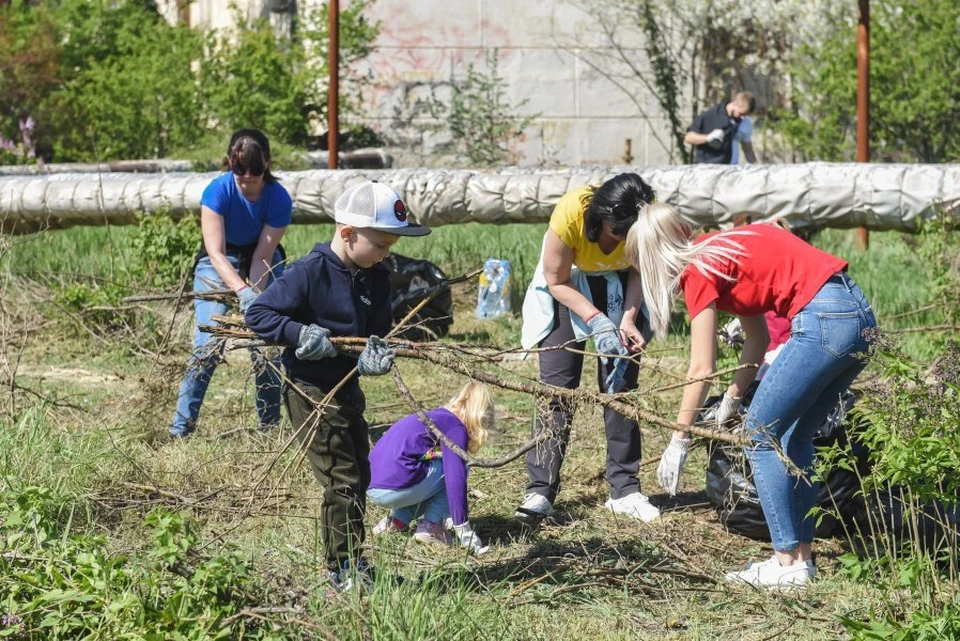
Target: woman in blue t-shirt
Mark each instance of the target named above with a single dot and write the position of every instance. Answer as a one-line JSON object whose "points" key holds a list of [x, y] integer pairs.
{"points": [[243, 214]]}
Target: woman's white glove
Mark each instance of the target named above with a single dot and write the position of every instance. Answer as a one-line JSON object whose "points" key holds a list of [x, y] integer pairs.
{"points": [[727, 410], [671, 464], [469, 539]]}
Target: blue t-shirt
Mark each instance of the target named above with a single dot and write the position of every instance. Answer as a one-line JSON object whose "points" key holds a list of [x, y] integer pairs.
{"points": [[243, 220]]}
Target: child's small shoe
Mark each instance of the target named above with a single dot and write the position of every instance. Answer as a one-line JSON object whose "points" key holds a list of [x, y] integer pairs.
{"points": [[430, 532], [390, 525]]}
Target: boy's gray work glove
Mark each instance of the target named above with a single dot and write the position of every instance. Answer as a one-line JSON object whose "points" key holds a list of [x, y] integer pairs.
{"points": [[246, 295], [469, 539], [606, 336], [314, 343], [376, 359]]}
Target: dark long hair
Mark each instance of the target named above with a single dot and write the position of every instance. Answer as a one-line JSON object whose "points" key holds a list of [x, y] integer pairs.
{"points": [[249, 149], [618, 200]]}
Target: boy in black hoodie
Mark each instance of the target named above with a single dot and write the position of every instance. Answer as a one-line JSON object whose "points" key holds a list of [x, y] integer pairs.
{"points": [[338, 289]]}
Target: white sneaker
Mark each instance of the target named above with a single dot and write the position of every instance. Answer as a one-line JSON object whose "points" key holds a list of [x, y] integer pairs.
{"points": [[771, 575], [534, 507], [634, 505]]}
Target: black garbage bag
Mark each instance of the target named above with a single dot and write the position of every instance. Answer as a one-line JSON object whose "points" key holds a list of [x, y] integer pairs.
{"points": [[412, 280], [890, 513], [731, 491]]}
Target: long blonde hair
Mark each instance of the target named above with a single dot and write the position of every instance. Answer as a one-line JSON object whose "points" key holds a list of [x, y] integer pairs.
{"points": [[473, 405], [660, 245]]}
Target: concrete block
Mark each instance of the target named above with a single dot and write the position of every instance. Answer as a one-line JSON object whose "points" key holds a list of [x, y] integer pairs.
{"points": [[546, 78], [530, 23], [609, 88]]}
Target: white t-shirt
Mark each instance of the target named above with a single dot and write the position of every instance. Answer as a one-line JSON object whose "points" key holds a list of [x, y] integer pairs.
{"points": [[744, 133]]}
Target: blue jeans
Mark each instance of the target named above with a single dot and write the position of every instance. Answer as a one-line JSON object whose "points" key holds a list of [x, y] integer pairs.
{"points": [[207, 354], [822, 358], [427, 498]]}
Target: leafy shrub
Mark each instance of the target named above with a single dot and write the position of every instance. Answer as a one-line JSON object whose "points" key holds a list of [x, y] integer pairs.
{"points": [[55, 584], [95, 302], [163, 250], [907, 538], [115, 80], [914, 94], [29, 63], [479, 116], [132, 91]]}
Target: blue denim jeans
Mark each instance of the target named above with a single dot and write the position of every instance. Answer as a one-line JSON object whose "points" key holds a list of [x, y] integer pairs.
{"points": [[427, 498], [208, 351], [822, 358]]}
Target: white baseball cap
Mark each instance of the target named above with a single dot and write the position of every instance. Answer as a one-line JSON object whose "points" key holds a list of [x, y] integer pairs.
{"points": [[373, 205]]}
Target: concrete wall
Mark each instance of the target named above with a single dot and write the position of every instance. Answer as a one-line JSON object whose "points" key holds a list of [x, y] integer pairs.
{"points": [[548, 54], [583, 118]]}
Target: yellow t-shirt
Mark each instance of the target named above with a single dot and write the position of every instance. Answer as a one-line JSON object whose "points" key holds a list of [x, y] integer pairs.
{"points": [[567, 221]]}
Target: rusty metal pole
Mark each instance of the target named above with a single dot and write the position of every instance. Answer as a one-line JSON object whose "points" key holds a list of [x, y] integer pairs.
{"points": [[863, 101], [333, 94]]}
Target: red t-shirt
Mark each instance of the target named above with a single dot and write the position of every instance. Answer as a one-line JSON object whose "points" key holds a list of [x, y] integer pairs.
{"points": [[778, 272]]}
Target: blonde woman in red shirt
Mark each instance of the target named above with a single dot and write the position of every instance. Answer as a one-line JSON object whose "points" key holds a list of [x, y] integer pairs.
{"points": [[749, 271]]}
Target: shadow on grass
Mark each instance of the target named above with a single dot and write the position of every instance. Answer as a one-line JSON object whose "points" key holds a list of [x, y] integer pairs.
{"points": [[550, 568]]}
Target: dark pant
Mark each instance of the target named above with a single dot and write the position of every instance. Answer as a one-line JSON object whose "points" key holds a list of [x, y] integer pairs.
{"points": [[338, 448], [562, 368]]}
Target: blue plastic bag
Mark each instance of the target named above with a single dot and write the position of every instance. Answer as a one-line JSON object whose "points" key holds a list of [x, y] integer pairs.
{"points": [[493, 298]]}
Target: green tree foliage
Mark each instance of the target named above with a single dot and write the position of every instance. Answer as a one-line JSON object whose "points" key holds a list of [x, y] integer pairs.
{"points": [[29, 63], [133, 94], [255, 80], [914, 86], [110, 80]]}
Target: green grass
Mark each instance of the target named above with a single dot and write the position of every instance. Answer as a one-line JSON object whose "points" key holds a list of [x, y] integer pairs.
{"points": [[98, 442]]}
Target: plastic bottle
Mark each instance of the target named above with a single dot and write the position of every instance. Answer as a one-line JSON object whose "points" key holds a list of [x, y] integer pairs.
{"points": [[493, 297]]}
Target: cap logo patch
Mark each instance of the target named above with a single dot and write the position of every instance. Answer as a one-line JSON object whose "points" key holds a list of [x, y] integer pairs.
{"points": [[400, 211]]}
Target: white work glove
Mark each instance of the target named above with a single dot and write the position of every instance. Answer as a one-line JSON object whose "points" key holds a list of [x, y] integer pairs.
{"points": [[732, 332], [715, 136], [469, 539], [671, 464], [606, 336], [727, 410]]}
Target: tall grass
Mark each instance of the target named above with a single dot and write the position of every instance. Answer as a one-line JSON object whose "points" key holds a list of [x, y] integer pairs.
{"points": [[104, 252]]}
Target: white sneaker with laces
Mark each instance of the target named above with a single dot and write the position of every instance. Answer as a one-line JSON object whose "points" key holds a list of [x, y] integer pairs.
{"points": [[771, 575], [634, 505], [534, 507]]}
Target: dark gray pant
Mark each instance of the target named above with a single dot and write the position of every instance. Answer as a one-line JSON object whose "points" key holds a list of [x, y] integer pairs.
{"points": [[562, 368], [338, 448]]}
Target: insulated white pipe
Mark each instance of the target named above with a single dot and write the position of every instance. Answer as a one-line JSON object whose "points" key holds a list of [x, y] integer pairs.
{"points": [[811, 195]]}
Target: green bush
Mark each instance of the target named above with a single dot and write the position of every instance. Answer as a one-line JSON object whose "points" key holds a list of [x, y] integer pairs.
{"points": [[914, 86], [133, 92], [57, 584], [163, 250], [114, 80], [906, 539]]}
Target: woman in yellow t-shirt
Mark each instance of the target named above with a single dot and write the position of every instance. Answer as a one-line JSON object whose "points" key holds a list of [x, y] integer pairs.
{"points": [[584, 286]]}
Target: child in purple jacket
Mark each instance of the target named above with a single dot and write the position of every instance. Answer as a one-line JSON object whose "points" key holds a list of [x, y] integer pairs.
{"points": [[418, 476]]}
